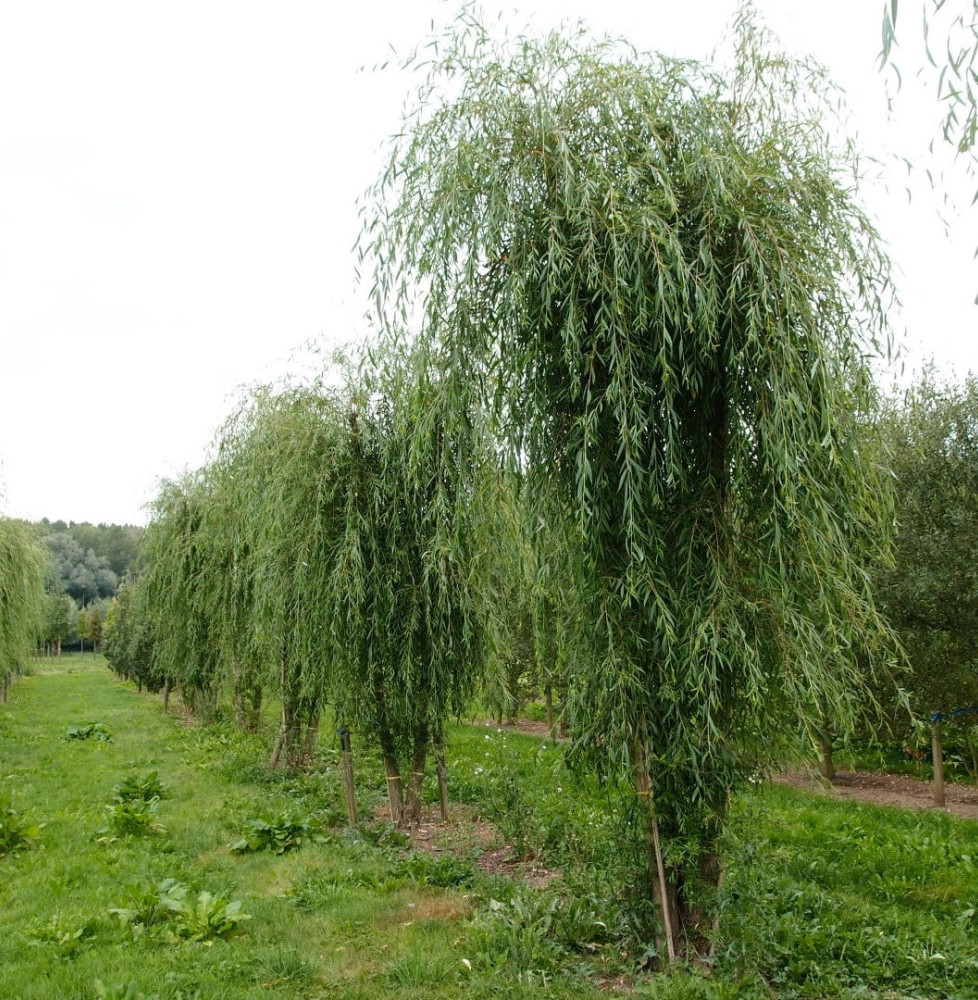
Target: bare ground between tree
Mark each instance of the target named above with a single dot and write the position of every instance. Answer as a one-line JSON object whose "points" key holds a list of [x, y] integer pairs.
{"points": [[467, 833], [897, 790]]}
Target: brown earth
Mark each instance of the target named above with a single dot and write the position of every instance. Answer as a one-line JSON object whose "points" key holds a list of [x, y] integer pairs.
{"points": [[467, 832], [887, 790]]}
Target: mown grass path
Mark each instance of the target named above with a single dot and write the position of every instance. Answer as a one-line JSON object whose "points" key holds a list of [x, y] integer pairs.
{"points": [[327, 920]]}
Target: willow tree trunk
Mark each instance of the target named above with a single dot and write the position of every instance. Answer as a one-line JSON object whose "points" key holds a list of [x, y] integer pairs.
{"points": [[825, 763], [285, 737], [305, 753], [412, 807], [253, 712], [349, 787], [388, 752], [288, 728], [395, 788]]}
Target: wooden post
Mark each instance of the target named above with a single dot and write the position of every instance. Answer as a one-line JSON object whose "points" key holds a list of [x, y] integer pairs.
{"points": [[826, 765], [348, 785], [938, 751], [442, 781], [643, 787]]}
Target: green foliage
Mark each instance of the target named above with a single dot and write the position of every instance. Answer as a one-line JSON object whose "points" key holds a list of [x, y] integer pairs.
{"points": [[186, 549], [22, 571], [129, 637], [204, 917], [113, 545], [143, 906], [17, 833], [534, 932], [845, 897], [278, 834], [652, 274], [444, 871], [60, 617], [76, 571], [930, 591], [810, 881], [63, 935], [407, 636], [951, 39], [132, 817], [277, 471], [172, 909], [90, 731], [148, 787], [95, 623]]}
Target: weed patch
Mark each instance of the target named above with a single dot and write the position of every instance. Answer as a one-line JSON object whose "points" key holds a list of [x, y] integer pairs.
{"points": [[92, 731], [278, 834], [17, 832]]}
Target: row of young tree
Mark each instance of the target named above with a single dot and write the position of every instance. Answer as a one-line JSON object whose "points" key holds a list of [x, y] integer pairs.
{"points": [[63, 623], [327, 555], [643, 303]]}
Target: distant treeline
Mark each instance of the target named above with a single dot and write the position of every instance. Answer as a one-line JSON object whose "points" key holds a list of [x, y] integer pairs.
{"points": [[88, 561]]}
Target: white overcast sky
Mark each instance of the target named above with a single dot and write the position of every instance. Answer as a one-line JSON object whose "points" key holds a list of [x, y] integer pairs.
{"points": [[178, 203]]}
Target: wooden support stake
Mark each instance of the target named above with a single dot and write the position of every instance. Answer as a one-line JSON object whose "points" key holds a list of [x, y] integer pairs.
{"points": [[442, 781], [643, 787], [825, 764], [938, 751], [349, 787]]}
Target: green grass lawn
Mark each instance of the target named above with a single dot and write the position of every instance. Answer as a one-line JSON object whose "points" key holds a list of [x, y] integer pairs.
{"points": [[822, 898]]}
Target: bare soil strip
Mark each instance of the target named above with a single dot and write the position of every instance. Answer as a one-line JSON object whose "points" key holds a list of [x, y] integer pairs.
{"points": [[887, 790]]}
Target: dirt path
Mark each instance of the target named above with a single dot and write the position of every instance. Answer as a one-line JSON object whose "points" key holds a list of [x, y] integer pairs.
{"points": [[888, 790]]}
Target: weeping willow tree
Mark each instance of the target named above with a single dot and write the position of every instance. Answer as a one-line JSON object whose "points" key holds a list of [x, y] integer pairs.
{"points": [[407, 630], [654, 276], [279, 457], [353, 555], [187, 552], [22, 570]]}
